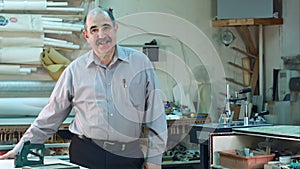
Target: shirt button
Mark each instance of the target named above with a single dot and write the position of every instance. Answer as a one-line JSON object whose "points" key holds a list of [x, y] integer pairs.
{"points": [[111, 114], [108, 83]]}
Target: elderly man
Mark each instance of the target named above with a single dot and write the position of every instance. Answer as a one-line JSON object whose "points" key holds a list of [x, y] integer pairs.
{"points": [[115, 94]]}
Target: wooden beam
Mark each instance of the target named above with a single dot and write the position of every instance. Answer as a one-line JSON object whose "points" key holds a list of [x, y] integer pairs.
{"points": [[233, 81], [254, 77], [244, 52], [246, 22], [249, 42], [246, 75], [240, 67]]}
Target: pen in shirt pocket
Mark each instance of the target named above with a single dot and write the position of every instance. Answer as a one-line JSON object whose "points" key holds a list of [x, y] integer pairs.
{"points": [[124, 83]]}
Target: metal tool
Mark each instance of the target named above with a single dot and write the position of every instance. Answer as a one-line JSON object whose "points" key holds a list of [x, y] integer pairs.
{"points": [[29, 155]]}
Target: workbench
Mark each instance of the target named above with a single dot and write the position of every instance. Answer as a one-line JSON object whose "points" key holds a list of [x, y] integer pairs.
{"points": [[9, 164]]}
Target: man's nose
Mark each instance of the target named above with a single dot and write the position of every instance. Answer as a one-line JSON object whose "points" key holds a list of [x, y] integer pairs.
{"points": [[101, 34]]}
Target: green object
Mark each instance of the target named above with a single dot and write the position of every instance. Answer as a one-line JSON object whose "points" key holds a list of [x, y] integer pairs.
{"points": [[29, 155]]}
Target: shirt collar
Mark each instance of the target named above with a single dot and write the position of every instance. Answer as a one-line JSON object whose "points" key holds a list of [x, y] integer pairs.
{"points": [[119, 53]]}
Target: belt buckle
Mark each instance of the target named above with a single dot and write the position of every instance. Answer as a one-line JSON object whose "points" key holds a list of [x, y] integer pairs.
{"points": [[107, 143]]}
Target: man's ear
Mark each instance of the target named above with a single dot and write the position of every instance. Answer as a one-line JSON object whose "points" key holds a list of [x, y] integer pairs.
{"points": [[116, 27], [86, 36]]}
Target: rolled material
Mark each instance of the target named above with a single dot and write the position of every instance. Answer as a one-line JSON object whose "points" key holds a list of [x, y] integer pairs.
{"points": [[24, 5], [18, 107], [21, 55], [62, 26], [23, 107], [62, 45], [10, 69], [58, 32], [65, 9], [21, 39], [21, 23], [26, 88], [57, 3]]}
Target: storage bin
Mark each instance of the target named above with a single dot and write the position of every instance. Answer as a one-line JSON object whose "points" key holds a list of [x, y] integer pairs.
{"points": [[229, 159]]}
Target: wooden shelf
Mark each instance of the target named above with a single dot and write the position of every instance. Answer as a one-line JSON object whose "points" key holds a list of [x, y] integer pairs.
{"points": [[246, 21]]}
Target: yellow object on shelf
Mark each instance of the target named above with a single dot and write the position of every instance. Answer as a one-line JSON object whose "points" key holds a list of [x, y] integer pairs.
{"points": [[54, 62]]}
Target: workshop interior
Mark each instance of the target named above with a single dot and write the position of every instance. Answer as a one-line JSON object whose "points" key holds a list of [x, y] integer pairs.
{"points": [[229, 71]]}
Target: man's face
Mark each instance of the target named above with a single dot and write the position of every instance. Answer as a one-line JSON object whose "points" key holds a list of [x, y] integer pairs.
{"points": [[100, 33]]}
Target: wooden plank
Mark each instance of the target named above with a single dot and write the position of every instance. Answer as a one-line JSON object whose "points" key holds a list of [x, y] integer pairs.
{"points": [[254, 77], [245, 53], [240, 67], [246, 75], [247, 22], [251, 48], [233, 81], [249, 42]]}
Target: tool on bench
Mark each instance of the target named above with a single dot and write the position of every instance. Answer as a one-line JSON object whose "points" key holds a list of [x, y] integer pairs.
{"points": [[29, 155]]}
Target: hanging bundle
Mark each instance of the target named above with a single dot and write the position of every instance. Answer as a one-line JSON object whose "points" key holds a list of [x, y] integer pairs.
{"points": [[54, 62]]}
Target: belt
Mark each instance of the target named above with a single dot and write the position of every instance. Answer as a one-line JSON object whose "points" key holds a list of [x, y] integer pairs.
{"points": [[112, 145]]}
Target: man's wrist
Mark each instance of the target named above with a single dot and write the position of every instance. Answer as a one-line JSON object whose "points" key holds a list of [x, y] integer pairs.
{"points": [[155, 159]]}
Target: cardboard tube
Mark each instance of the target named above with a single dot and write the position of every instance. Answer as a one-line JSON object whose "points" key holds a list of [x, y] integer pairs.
{"points": [[10, 69]]}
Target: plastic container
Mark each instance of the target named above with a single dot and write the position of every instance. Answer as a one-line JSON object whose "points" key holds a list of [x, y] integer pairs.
{"points": [[285, 159], [229, 159]]}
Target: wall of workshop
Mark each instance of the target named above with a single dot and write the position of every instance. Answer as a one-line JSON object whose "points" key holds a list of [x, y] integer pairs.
{"points": [[200, 13], [281, 41]]}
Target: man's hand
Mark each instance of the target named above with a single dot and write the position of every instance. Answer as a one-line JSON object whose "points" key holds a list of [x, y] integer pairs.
{"points": [[9, 155], [149, 165]]}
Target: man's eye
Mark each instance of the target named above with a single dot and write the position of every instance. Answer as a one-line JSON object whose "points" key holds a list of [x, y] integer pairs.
{"points": [[105, 28], [94, 30]]}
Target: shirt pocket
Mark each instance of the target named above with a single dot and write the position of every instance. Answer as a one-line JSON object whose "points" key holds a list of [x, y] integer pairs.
{"points": [[137, 94]]}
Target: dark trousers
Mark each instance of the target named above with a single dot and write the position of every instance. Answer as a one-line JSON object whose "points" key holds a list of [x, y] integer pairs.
{"points": [[88, 154]]}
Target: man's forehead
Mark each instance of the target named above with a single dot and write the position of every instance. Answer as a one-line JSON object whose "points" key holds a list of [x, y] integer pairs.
{"points": [[99, 15], [98, 18]]}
